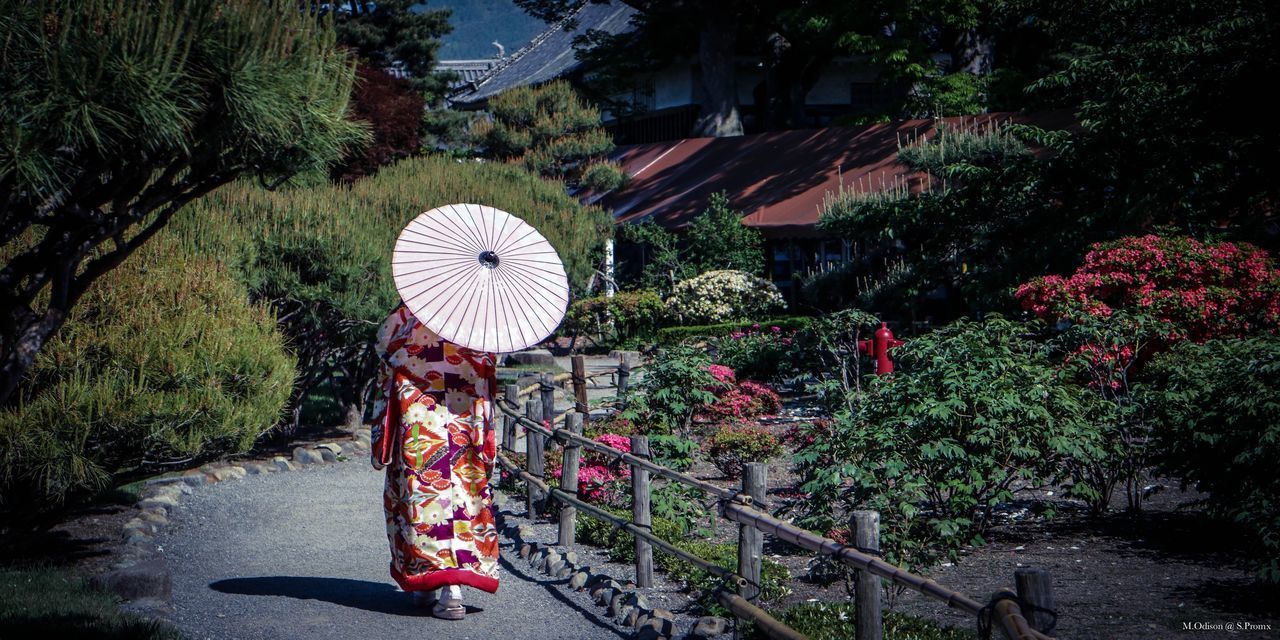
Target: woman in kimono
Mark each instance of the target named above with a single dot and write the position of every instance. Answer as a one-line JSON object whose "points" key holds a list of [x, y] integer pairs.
{"points": [[433, 432]]}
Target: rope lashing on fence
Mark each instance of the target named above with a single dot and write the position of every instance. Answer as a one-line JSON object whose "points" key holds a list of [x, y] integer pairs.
{"points": [[618, 523], [1006, 607], [564, 436]]}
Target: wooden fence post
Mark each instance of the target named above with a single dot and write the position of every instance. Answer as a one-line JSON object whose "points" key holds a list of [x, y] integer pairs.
{"points": [[533, 460], [580, 384], [509, 424], [750, 539], [865, 526], [624, 378], [569, 481], [547, 385], [1035, 588], [640, 512]]}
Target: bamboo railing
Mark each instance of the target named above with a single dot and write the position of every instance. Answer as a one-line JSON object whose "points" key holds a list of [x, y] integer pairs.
{"points": [[1005, 610]]}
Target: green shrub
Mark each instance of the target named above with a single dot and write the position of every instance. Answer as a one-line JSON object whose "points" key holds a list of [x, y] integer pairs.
{"points": [[774, 577], [162, 361], [683, 505], [321, 256], [1218, 427], [620, 543], [717, 239], [758, 352], [626, 318], [972, 409], [732, 446], [723, 296], [676, 384], [673, 451], [838, 621], [672, 335], [621, 546]]}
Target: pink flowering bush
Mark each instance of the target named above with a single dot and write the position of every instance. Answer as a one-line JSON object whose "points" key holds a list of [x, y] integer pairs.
{"points": [[1200, 290], [598, 480], [745, 400]]}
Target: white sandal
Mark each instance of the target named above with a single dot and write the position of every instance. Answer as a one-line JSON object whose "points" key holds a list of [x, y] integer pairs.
{"points": [[450, 605]]}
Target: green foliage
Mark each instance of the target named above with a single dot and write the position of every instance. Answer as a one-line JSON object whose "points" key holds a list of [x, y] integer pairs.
{"points": [[399, 33], [972, 409], [759, 352], [969, 234], [827, 352], [672, 335], [603, 176], [1158, 89], [626, 318], [116, 114], [732, 446], [1218, 427], [718, 240], [321, 256], [723, 296], [676, 383], [163, 361], [50, 602], [952, 94], [663, 265], [552, 131], [683, 505], [774, 577], [838, 621], [672, 451]]}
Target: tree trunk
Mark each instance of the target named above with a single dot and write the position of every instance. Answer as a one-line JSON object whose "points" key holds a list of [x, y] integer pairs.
{"points": [[31, 333], [719, 115]]}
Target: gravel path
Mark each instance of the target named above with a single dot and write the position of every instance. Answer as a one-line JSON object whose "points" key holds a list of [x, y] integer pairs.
{"points": [[304, 555]]}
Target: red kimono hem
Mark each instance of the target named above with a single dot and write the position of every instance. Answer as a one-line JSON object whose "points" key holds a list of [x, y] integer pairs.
{"points": [[444, 578]]}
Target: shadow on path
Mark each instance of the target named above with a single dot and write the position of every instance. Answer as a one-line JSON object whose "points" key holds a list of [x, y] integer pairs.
{"points": [[378, 597], [554, 588]]}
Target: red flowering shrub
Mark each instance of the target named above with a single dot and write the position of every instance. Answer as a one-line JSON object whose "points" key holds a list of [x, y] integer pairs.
{"points": [[393, 111], [1200, 290]]}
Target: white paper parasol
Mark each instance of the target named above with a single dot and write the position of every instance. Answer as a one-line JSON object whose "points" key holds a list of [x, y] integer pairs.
{"points": [[480, 277]]}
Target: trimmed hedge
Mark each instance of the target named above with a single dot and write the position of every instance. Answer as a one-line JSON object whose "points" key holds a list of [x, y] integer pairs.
{"points": [[669, 335], [162, 360]]}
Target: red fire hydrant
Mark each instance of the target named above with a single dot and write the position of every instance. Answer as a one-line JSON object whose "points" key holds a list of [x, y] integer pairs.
{"points": [[878, 348]]}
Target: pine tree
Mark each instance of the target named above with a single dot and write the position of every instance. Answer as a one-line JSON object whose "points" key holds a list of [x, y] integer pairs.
{"points": [[116, 114]]}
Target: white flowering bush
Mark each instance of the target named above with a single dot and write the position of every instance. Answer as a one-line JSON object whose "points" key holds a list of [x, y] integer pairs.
{"points": [[723, 296]]}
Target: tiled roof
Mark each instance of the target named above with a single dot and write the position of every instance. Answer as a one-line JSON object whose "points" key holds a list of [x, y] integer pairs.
{"points": [[777, 179], [550, 55], [468, 70]]}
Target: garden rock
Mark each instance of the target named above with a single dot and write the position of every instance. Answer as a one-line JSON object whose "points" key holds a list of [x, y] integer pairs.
{"points": [[163, 503], [578, 580], [708, 627], [650, 633], [637, 599], [303, 455], [282, 463], [228, 473], [148, 579]]}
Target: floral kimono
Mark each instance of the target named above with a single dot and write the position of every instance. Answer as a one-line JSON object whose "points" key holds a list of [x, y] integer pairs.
{"points": [[433, 429]]}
